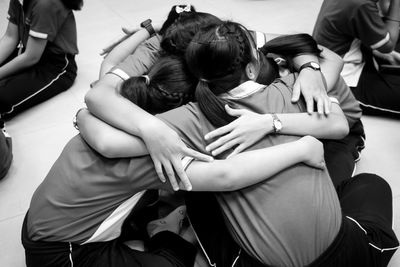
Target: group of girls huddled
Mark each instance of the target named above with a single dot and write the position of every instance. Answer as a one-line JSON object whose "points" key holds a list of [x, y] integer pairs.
{"points": [[201, 108]]}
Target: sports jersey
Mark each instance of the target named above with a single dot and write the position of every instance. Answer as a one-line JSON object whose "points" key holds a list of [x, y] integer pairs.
{"points": [[141, 60], [85, 197], [342, 25], [46, 19], [254, 214]]}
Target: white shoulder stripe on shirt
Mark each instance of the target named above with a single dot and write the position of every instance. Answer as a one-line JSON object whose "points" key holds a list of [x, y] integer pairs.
{"points": [[381, 42], [38, 34]]}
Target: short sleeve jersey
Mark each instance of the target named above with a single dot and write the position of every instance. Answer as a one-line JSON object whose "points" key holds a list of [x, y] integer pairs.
{"points": [[141, 60], [46, 19], [341, 21], [86, 197], [254, 213]]}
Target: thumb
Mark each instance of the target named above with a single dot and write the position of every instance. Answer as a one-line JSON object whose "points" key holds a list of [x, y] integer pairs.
{"points": [[296, 92], [234, 112]]}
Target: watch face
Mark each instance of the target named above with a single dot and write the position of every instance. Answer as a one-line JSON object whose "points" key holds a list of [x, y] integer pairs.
{"points": [[315, 65], [278, 125]]}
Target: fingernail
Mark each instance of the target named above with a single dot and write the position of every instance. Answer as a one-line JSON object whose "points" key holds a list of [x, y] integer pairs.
{"points": [[206, 137], [189, 188], [207, 148]]}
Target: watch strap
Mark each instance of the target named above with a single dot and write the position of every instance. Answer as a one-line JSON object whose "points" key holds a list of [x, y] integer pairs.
{"points": [[148, 26], [312, 65]]}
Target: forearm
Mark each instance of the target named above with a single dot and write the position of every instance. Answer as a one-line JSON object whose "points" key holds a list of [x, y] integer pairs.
{"points": [[245, 169], [331, 66], [107, 140], [106, 103], [7, 46], [332, 126], [122, 50], [17, 64]]}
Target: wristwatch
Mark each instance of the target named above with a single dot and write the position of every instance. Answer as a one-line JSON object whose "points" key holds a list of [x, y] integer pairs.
{"points": [[312, 65], [276, 123], [147, 25]]}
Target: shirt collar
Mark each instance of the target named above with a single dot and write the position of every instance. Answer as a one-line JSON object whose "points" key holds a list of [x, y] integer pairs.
{"points": [[243, 90]]}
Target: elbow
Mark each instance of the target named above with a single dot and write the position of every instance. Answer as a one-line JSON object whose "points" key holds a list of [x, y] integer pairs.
{"points": [[91, 98], [340, 129], [225, 180], [103, 148]]}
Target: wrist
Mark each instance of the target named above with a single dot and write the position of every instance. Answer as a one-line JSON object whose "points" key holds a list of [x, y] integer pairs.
{"points": [[148, 26]]}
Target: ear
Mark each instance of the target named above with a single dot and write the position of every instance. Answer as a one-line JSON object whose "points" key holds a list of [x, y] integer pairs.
{"points": [[252, 71]]}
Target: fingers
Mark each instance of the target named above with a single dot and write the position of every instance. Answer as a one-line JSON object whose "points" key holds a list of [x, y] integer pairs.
{"points": [[197, 155], [309, 104], [320, 106], [171, 174], [220, 131], [159, 171], [220, 141], [237, 150], [182, 176], [234, 112], [224, 147], [327, 105], [296, 92]]}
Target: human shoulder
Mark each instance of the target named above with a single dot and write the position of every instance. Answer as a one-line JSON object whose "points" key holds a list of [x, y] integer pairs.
{"points": [[51, 6]]}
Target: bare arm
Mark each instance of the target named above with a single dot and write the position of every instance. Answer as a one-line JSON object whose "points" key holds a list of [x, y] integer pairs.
{"points": [[107, 140], [32, 54], [122, 50], [243, 170], [9, 41], [165, 147], [251, 127], [313, 85], [254, 166]]}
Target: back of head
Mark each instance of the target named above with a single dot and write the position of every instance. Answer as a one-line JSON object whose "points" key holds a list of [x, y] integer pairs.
{"points": [[175, 12], [178, 36], [218, 56], [167, 85]]}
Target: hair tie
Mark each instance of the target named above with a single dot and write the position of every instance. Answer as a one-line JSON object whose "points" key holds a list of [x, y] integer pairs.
{"points": [[147, 78], [179, 9]]}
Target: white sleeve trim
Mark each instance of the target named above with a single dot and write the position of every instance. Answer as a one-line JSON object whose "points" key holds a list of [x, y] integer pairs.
{"points": [[381, 42], [260, 39], [38, 34], [120, 73], [186, 162], [334, 100]]}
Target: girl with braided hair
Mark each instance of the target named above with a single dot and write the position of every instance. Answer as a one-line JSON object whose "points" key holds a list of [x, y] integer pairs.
{"points": [[296, 217]]}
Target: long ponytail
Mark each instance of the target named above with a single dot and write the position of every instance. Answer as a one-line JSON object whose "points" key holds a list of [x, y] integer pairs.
{"points": [[167, 85], [218, 56]]}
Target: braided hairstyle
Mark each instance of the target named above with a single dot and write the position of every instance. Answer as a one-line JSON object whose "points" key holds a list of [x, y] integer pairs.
{"points": [[218, 56], [169, 85], [177, 37]]}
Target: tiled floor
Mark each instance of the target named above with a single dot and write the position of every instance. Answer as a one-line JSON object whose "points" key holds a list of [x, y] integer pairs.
{"points": [[40, 134]]}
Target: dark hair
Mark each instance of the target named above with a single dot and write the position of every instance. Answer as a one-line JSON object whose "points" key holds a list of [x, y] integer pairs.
{"points": [[170, 85], [178, 36], [173, 15], [73, 4], [217, 56], [291, 45]]}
